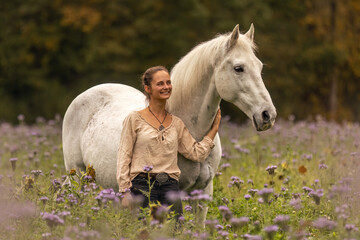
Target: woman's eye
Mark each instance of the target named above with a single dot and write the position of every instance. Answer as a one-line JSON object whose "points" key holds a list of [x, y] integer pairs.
{"points": [[239, 69]]}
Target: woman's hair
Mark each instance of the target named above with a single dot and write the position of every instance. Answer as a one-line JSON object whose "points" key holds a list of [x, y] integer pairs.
{"points": [[147, 77]]}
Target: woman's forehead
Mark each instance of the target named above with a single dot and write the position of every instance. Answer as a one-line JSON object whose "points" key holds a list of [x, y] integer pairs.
{"points": [[161, 76]]}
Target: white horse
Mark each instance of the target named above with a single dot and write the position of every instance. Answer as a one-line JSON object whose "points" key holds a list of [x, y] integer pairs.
{"points": [[222, 68]]}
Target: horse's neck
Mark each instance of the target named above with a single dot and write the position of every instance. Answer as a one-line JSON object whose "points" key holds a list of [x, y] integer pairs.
{"points": [[199, 111]]}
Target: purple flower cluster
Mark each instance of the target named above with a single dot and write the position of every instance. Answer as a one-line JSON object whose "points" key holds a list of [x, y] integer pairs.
{"points": [[52, 220], [148, 168], [271, 169], [265, 194], [324, 224], [282, 221], [316, 195], [107, 195], [239, 222], [199, 195], [225, 212], [242, 150], [235, 181]]}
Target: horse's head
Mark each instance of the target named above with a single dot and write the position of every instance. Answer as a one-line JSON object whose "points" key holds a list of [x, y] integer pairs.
{"points": [[238, 80]]}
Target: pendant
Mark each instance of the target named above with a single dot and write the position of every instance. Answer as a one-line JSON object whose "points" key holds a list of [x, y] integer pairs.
{"points": [[161, 127]]}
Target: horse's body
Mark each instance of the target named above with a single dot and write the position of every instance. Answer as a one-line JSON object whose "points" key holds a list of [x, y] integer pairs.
{"points": [[222, 68]]}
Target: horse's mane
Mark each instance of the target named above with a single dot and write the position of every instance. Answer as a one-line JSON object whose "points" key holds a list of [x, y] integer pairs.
{"points": [[188, 73]]}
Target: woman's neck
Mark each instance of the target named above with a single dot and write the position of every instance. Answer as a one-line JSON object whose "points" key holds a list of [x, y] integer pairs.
{"points": [[157, 107]]}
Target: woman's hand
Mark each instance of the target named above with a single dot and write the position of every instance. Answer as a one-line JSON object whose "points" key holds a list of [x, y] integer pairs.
{"points": [[215, 126], [127, 200], [217, 119]]}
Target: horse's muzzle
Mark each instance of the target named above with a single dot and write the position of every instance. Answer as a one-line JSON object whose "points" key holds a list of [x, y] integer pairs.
{"points": [[264, 121]]}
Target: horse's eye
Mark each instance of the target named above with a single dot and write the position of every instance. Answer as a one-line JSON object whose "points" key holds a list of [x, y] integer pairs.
{"points": [[239, 69]]}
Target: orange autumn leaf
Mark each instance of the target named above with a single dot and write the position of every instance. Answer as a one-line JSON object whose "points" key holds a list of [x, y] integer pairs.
{"points": [[302, 169]]}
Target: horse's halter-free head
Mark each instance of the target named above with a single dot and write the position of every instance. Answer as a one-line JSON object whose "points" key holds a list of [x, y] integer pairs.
{"points": [[238, 80]]}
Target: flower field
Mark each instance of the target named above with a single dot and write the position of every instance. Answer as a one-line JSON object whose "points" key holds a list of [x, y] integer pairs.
{"points": [[298, 180]]}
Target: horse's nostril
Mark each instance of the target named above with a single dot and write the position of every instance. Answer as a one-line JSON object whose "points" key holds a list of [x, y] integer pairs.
{"points": [[265, 116]]}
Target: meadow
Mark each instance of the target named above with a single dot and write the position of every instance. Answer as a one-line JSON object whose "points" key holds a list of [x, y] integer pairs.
{"points": [[296, 181]]}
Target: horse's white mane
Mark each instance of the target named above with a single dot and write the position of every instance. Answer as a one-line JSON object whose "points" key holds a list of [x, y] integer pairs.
{"points": [[188, 73]]}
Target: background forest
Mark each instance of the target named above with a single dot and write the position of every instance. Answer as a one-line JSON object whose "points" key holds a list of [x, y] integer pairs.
{"points": [[50, 51]]}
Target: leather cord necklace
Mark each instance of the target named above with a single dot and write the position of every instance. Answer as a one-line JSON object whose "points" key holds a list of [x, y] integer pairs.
{"points": [[161, 127]]}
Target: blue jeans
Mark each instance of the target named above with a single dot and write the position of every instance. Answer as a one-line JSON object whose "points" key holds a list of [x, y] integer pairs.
{"points": [[159, 192]]}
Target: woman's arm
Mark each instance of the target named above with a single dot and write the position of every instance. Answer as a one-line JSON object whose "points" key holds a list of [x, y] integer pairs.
{"points": [[198, 151], [125, 152], [215, 126]]}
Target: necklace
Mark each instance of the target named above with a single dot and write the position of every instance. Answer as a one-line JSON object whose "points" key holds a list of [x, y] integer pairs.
{"points": [[161, 127]]}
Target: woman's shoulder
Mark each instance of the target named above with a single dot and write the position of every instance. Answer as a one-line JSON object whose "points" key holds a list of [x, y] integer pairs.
{"points": [[132, 116], [177, 121]]}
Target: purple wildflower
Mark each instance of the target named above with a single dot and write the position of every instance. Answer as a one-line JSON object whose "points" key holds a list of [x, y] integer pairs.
{"points": [[250, 181], [174, 196], [282, 221], [239, 222], [188, 208], [44, 199], [148, 168], [265, 193], [223, 233], [52, 220], [324, 223], [235, 181], [36, 173], [307, 189], [211, 223], [247, 196], [219, 227], [225, 200], [316, 195], [95, 209], [251, 237], [242, 150], [107, 195], [13, 162], [224, 166], [252, 192], [56, 184], [296, 203], [196, 192], [72, 199], [323, 166], [21, 118], [271, 230], [351, 228], [271, 169], [225, 212], [307, 156]]}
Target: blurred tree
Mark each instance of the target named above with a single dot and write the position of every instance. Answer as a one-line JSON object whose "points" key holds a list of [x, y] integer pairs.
{"points": [[50, 51], [334, 27]]}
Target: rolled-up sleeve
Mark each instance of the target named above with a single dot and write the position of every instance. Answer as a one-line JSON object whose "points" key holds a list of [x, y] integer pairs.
{"points": [[125, 152], [191, 149]]}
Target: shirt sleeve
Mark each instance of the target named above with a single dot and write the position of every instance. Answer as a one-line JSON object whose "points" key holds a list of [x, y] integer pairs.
{"points": [[125, 152], [190, 148]]}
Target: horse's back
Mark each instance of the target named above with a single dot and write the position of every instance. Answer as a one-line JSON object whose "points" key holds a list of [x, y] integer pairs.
{"points": [[92, 127]]}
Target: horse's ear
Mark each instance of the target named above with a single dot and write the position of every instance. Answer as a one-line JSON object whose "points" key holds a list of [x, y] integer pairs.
{"points": [[250, 33], [234, 36]]}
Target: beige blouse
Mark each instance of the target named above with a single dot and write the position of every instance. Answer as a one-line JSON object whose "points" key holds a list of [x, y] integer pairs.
{"points": [[142, 145]]}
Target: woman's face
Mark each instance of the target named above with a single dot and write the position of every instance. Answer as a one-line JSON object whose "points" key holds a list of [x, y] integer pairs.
{"points": [[160, 86]]}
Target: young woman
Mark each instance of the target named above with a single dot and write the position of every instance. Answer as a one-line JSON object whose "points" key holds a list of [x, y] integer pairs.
{"points": [[153, 137]]}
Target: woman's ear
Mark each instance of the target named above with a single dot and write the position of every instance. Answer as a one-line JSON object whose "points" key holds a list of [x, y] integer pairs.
{"points": [[147, 89]]}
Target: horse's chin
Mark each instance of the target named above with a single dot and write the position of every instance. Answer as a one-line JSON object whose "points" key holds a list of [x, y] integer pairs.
{"points": [[263, 125]]}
